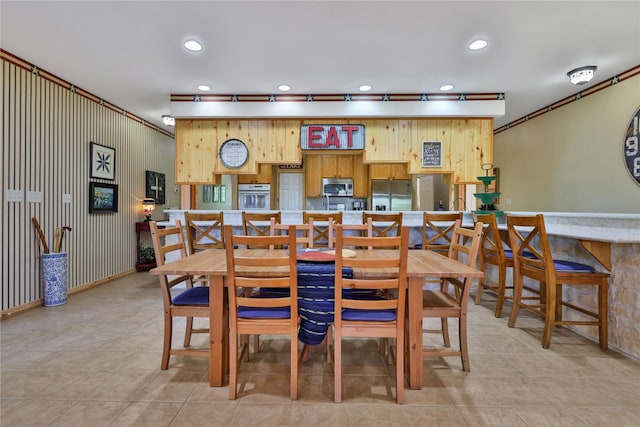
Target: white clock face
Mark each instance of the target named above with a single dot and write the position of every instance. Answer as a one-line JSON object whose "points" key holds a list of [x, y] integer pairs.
{"points": [[233, 153]]}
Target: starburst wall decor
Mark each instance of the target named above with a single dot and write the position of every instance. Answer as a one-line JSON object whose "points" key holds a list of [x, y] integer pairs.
{"points": [[103, 162]]}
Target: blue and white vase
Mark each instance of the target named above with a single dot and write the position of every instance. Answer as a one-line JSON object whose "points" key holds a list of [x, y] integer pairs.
{"points": [[54, 270]]}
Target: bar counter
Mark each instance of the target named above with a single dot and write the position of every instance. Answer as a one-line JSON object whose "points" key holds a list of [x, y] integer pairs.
{"points": [[607, 241]]}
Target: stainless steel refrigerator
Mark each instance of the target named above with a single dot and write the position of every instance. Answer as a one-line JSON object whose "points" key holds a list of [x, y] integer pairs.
{"points": [[395, 195]]}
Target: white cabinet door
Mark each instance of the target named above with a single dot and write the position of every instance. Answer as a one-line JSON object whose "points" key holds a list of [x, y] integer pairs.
{"points": [[291, 191]]}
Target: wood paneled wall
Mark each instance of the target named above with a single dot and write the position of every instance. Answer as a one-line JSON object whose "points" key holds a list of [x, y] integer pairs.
{"points": [[46, 135], [467, 143]]}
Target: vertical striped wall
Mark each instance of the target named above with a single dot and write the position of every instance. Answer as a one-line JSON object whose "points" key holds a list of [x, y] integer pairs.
{"points": [[47, 128]]}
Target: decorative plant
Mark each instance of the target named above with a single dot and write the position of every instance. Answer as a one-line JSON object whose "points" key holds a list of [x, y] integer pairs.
{"points": [[147, 255]]}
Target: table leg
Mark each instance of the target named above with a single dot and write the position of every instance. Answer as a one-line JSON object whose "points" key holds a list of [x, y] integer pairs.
{"points": [[217, 329], [414, 310]]}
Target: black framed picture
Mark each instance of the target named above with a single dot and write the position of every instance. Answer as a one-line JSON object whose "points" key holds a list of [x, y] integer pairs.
{"points": [[431, 154], [103, 162], [103, 197], [155, 186]]}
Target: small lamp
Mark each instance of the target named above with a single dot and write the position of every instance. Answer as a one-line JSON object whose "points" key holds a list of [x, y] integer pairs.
{"points": [[582, 75], [148, 208]]}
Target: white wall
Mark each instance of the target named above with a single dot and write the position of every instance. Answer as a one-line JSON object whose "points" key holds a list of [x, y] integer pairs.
{"points": [[571, 159]]}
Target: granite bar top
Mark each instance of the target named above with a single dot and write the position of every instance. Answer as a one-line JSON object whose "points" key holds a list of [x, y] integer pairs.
{"points": [[603, 227]]}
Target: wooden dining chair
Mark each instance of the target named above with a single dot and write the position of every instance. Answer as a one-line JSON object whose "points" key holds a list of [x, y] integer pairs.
{"points": [[384, 224], [321, 225], [373, 316], [204, 231], [259, 314], [437, 230], [259, 223], [191, 302], [533, 260], [443, 304]]}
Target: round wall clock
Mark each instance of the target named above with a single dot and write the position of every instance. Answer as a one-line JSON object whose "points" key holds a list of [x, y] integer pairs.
{"points": [[233, 153], [631, 147]]}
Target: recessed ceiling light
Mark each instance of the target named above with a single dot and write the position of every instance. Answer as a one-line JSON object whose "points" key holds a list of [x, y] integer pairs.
{"points": [[204, 88], [365, 88], [284, 88], [478, 44], [446, 87], [193, 45]]}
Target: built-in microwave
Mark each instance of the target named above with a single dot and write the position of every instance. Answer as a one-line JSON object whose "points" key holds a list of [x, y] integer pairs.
{"points": [[337, 187]]}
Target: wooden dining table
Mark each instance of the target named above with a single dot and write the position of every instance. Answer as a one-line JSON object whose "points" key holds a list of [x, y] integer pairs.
{"points": [[422, 264]]}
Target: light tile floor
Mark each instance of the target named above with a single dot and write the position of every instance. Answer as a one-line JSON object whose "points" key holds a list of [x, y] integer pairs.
{"points": [[95, 361]]}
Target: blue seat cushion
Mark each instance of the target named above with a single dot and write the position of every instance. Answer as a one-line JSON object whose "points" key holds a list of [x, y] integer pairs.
{"points": [[264, 312], [508, 253], [193, 296], [369, 315], [570, 266]]}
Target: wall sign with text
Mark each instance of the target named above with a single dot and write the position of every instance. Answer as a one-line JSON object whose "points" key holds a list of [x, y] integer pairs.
{"points": [[431, 154], [632, 148], [332, 137]]}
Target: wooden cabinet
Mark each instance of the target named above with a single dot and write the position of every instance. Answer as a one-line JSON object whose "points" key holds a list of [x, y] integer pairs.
{"points": [[388, 171], [337, 166], [263, 176], [334, 166], [360, 178], [313, 176]]}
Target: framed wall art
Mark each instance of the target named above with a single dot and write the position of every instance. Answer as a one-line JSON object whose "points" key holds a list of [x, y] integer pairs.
{"points": [[103, 197], [103, 161], [155, 186], [431, 154], [207, 191]]}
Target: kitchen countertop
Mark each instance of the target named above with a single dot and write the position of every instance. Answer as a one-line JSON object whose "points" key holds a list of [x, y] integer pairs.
{"points": [[600, 227]]}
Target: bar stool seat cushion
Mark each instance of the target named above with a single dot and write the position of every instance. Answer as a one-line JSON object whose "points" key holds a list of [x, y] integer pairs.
{"points": [[574, 267]]}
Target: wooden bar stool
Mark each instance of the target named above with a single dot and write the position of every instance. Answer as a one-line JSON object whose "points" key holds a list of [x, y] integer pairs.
{"points": [[528, 234]]}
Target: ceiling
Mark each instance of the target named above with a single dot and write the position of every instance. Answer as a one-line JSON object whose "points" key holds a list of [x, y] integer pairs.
{"points": [[131, 54]]}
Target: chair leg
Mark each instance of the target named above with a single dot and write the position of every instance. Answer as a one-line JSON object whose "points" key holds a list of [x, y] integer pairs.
{"points": [[517, 299], [480, 288], [464, 352], [187, 332], [166, 346], [233, 364], [337, 367], [550, 312], [400, 368], [445, 331], [480, 284], [558, 302], [603, 313], [294, 366], [502, 288]]}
